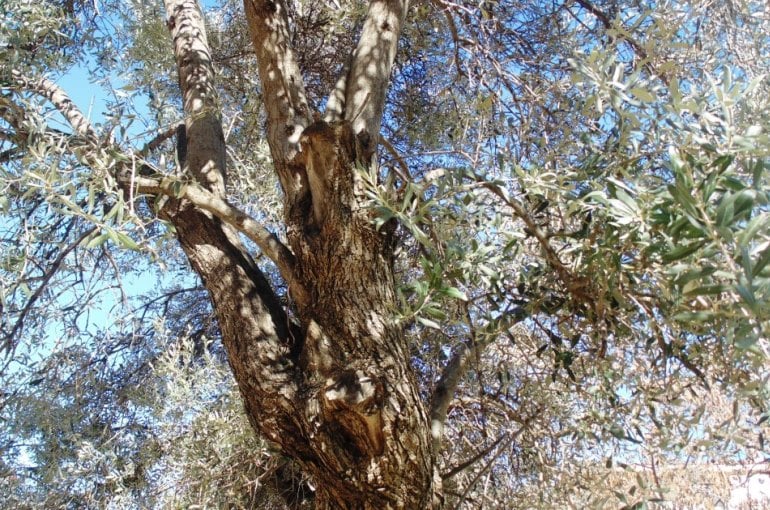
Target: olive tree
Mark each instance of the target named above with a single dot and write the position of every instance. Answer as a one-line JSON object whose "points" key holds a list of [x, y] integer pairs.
{"points": [[532, 230]]}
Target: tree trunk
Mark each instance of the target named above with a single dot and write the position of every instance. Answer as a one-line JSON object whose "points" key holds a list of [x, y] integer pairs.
{"points": [[335, 391], [329, 381], [364, 414]]}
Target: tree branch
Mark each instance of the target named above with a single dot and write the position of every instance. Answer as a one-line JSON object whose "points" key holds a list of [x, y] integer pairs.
{"points": [[445, 389], [445, 8], [444, 392], [11, 154], [9, 343], [373, 58], [633, 43], [61, 101], [403, 171], [472, 460], [206, 142], [283, 89], [578, 286], [508, 441], [208, 200], [335, 104], [157, 141], [200, 197], [607, 22]]}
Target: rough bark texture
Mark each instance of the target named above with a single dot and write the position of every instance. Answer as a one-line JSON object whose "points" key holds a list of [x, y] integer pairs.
{"points": [[333, 386], [363, 411], [328, 379]]}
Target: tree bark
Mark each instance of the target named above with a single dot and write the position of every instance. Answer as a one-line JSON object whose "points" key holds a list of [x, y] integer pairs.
{"points": [[329, 379], [333, 386], [363, 410]]}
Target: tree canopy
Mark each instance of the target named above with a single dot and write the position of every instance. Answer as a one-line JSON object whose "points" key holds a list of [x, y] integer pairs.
{"points": [[570, 200]]}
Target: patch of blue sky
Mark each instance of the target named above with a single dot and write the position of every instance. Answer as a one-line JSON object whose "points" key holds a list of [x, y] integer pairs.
{"points": [[110, 101]]}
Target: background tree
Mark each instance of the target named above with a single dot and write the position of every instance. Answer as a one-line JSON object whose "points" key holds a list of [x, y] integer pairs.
{"points": [[527, 255]]}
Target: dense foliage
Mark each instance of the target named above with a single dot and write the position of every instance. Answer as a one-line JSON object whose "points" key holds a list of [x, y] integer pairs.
{"points": [[582, 196]]}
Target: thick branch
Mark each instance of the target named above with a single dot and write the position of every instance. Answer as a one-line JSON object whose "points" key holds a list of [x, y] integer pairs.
{"points": [[256, 332], [210, 201], [367, 84], [283, 90], [206, 142], [458, 366], [445, 390], [157, 141], [207, 200], [219, 207], [335, 104]]}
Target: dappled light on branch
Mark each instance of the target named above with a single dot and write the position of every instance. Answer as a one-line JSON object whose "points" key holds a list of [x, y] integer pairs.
{"points": [[384, 254]]}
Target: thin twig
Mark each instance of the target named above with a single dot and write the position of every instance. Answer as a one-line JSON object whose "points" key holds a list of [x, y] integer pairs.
{"points": [[17, 327]]}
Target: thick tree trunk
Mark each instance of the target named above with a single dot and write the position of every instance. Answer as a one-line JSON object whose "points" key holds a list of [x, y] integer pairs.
{"points": [[364, 414], [328, 378], [343, 402], [332, 385], [336, 392]]}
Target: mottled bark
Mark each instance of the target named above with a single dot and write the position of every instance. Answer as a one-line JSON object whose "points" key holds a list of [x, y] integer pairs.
{"points": [[205, 140], [284, 91], [334, 388], [363, 410], [255, 329], [373, 59]]}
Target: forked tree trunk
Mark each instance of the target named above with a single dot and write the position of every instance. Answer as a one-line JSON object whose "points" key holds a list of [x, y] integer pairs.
{"points": [[328, 380], [327, 377], [335, 389]]}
